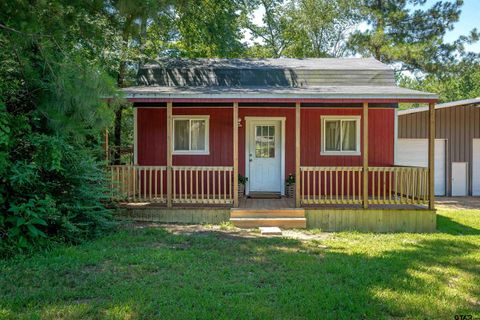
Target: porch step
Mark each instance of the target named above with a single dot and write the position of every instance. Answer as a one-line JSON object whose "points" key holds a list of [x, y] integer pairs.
{"points": [[267, 213], [254, 218], [286, 223]]}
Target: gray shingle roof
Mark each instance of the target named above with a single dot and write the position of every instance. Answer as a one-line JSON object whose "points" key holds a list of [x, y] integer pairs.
{"points": [[265, 72], [270, 78]]}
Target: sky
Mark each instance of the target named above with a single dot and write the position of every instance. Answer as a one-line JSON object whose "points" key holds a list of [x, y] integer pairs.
{"points": [[469, 19]]}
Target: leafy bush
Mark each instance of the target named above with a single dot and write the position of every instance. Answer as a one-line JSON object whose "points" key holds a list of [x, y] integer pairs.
{"points": [[52, 116], [52, 189]]}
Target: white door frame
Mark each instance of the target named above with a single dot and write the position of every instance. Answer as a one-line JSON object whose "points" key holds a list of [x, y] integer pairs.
{"points": [[282, 151]]}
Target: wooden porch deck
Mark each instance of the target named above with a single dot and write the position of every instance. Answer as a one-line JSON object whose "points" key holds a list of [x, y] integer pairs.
{"points": [[282, 203]]}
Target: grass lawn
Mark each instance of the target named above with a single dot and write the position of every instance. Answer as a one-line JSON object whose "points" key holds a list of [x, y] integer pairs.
{"points": [[153, 273]]}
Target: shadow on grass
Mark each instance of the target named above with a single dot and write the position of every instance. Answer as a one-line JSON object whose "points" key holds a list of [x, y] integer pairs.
{"points": [[151, 273], [450, 226]]}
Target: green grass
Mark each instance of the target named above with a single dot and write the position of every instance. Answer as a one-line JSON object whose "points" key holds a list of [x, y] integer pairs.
{"points": [[151, 273]]}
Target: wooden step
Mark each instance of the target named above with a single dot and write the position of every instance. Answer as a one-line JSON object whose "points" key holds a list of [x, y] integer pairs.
{"points": [[267, 213], [286, 223]]}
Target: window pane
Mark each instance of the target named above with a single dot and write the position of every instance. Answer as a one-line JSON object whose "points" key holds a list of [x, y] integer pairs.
{"points": [[349, 136], [181, 135], [271, 151], [332, 135], [198, 135], [265, 142]]}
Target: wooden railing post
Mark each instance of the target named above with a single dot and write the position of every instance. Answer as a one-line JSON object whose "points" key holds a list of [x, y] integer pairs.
{"points": [[365, 155], [431, 156], [297, 155], [169, 154], [235, 154]]}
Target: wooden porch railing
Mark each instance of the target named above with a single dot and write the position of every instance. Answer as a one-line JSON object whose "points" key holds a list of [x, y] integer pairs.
{"points": [[398, 185], [138, 183], [331, 185], [344, 185], [190, 185], [207, 185]]}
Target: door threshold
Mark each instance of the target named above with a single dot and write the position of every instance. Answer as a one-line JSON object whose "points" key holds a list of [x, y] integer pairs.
{"points": [[265, 195]]}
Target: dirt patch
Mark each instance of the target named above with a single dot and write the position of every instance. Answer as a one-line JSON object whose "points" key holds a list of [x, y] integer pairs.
{"points": [[457, 203], [232, 232]]}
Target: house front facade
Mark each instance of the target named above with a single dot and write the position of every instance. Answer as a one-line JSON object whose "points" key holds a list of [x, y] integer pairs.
{"points": [[324, 128]]}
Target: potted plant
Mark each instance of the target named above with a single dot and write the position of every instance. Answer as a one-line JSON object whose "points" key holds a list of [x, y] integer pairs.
{"points": [[242, 181], [290, 186]]}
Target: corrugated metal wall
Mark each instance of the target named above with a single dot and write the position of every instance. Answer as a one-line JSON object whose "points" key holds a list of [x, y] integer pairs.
{"points": [[458, 125]]}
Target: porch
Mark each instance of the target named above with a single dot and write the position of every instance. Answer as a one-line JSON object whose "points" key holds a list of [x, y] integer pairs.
{"points": [[320, 187], [331, 198]]}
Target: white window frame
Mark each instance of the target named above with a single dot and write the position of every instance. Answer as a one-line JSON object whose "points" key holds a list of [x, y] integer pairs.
{"points": [[357, 151], [207, 135]]}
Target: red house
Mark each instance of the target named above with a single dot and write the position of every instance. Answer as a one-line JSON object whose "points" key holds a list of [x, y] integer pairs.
{"points": [[328, 126]]}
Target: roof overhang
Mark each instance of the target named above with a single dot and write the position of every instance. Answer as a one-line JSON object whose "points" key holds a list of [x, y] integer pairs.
{"points": [[451, 104], [353, 94]]}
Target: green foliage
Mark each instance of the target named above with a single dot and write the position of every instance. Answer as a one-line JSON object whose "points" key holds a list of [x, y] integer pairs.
{"points": [[51, 118], [242, 179], [290, 180], [457, 82], [413, 38], [320, 29]]}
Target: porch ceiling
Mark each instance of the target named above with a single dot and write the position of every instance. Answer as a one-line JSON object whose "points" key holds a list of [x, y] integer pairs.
{"points": [[287, 94]]}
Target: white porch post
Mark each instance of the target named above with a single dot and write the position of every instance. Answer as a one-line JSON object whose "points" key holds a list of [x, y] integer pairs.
{"points": [[365, 155], [235, 154], [169, 154], [297, 156]]}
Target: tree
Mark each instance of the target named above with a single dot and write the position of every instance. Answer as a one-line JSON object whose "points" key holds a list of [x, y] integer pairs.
{"points": [[304, 28], [322, 27], [51, 116], [456, 82], [412, 38]]}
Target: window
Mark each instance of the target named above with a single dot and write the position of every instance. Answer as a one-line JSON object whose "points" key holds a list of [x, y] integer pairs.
{"points": [[190, 134], [341, 135], [264, 141]]}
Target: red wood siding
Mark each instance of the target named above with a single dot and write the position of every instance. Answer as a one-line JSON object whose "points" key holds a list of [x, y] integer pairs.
{"points": [[152, 136], [381, 138], [220, 138], [151, 133]]}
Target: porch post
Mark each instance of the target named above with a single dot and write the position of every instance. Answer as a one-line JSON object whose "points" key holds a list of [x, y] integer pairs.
{"points": [[235, 154], [297, 156], [431, 156], [169, 154], [365, 155]]}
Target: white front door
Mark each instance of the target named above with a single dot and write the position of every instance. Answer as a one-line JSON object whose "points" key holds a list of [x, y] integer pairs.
{"points": [[264, 156], [459, 178], [476, 167]]}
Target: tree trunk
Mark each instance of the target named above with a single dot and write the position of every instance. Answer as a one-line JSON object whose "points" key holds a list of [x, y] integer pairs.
{"points": [[117, 133]]}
